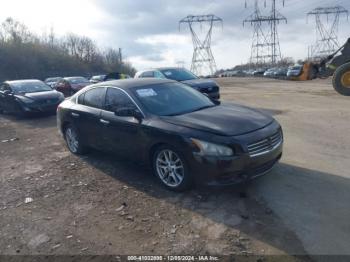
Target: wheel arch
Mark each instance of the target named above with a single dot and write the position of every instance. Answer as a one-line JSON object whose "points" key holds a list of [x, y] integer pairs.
{"points": [[64, 126]]}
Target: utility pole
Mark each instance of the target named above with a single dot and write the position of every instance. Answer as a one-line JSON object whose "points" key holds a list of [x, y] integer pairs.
{"points": [[202, 60], [180, 64], [265, 45], [120, 56], [326, 33]]}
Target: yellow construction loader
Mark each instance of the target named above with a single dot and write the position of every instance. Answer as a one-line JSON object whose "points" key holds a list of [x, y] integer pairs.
{"points": [[336, 65]]}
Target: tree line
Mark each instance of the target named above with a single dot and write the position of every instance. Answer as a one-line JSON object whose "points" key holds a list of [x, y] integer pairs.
{"points": [[24, 54], [284, 62]]}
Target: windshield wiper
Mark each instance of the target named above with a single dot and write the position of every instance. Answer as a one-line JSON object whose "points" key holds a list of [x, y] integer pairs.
{"points": [[186, 112], [203, 107]]}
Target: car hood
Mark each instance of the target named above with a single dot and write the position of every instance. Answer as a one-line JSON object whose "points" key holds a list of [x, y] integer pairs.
{"points": [[200, 83], [226, 120], [41, 96]]}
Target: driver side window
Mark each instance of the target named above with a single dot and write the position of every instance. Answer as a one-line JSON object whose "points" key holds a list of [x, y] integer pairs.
{"points": [[117, 99]]}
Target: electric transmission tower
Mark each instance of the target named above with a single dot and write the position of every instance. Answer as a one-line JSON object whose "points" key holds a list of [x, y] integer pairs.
{"points": [[202, 59], [326, 33], [265, 47]]}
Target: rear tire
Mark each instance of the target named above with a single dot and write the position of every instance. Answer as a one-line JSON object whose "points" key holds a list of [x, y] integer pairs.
{"points": [[341, 79], [73, 140], [171, 169]]}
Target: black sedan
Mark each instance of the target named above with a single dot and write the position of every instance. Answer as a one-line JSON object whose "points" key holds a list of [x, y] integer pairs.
{"points": [[22, 97], [205, 86], [183, 134]]}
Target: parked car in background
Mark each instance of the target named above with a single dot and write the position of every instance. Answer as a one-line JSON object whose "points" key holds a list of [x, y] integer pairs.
{"points": [[206, 86], [70, 85], [22, 97], [249, 72], [97, 79], [52, 81], [115, 76], [280, 73], [259, 72], [270, 72], [185, 136], [294, 71]]}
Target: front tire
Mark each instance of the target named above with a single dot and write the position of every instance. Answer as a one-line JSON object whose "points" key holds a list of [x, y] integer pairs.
{"points": [[341, 79], [171, 169], [73, 140]]}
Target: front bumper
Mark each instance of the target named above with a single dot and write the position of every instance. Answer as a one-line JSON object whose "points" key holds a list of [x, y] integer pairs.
{"points": [[214, 95], [224, 171], [39, 108]]}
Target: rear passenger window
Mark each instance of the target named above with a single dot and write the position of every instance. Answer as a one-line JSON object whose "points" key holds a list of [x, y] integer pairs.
{"points": [[81, 99], [94, 97], [116, 99], [147, 74]]}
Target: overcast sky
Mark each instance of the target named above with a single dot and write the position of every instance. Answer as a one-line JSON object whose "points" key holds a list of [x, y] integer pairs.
{"points": [[148, 31]]}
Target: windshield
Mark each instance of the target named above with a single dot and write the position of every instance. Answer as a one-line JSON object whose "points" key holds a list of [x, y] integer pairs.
{"points": [[295, 68], [100, 77], [178, 74], [53, 79], [77, 80], [29, 87], [171, 99]]}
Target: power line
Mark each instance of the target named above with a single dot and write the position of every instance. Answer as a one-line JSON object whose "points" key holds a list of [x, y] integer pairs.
{"points": [[326, 33], [265, 42], [202, 59]]}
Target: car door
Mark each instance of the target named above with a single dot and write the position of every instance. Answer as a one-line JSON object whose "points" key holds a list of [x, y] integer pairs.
{"points": [[86, 115], [121, 134]]}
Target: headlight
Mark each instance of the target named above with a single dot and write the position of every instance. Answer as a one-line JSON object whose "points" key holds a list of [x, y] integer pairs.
{"points": [[210, 149], [25, 100]]}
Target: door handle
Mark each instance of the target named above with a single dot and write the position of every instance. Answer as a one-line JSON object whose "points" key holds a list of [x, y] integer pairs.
{"points": [[75, 115], [105, 122]]}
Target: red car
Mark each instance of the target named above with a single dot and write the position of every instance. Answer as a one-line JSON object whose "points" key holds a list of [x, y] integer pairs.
{"points": [[70, 85]]}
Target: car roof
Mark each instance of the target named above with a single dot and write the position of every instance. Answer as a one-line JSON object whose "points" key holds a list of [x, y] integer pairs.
{"points": [[133, 82], [22, 81], [160, 68], [71, 77]]}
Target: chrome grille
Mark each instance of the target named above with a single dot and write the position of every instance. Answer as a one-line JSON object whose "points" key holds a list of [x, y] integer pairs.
{"points": [[265, 145]]}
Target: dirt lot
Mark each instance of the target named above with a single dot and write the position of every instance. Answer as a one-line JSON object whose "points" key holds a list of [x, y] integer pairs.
{"points": [[99, 204]]}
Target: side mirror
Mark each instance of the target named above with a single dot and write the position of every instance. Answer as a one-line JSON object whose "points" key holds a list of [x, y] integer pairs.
{"points": [[129, 112]]}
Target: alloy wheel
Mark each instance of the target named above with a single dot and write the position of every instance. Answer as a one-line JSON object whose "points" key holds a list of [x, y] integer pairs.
{"points": [[72, 140], [170, 168]]}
